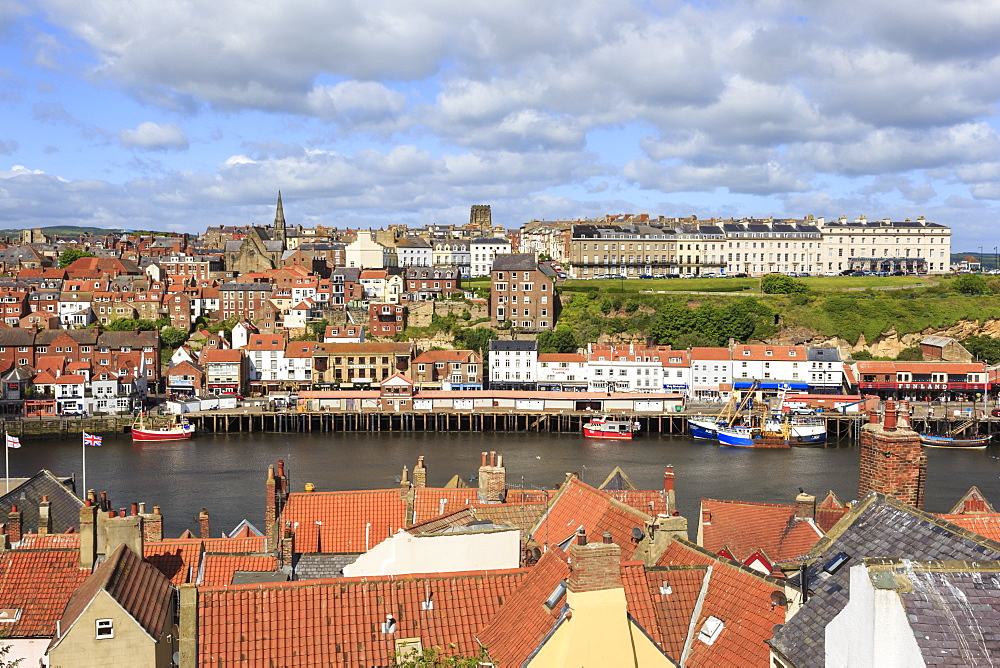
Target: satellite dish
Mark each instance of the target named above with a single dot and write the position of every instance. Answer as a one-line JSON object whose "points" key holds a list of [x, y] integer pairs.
{"points": [[778, 599], [637, 534], [777, 627]]}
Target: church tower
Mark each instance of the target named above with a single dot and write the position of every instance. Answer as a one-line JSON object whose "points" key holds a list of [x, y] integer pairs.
{"points": [[279, 223]]}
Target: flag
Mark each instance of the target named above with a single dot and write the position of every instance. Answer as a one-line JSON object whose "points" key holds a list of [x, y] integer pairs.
{"points": [[13, 442], [90, 439]]}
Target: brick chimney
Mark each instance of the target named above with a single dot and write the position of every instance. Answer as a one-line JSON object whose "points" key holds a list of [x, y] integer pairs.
{"points": [[205, 529], [275, 496], [892, 461], [88, 535], [596, 566], [14, 519], [805, 506], [668, 488], [492, 478], [152, 524], [404, 479], [44, 516], [420, 473]]}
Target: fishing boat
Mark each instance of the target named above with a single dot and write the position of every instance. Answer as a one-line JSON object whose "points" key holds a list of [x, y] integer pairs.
{"points": [[956, 438], [802, 430], [976, 443], [764, 429], [706, 427], [617, 428], [177, 431]]}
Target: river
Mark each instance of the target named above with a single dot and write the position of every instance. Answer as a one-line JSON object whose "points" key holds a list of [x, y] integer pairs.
{"points": [[226, 472]]}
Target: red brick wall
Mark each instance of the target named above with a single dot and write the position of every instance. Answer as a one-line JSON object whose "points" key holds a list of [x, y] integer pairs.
{"points": [[595, 567], [892, 463]]}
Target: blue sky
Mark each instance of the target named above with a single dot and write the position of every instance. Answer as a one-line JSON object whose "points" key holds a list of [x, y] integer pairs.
{"points": [[179, 115]]}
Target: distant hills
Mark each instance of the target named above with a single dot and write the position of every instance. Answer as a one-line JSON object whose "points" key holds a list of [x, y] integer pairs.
{"points": [[70, 230]]}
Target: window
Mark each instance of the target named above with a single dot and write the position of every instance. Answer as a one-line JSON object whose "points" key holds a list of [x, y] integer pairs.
{"points": [[105, 628]]}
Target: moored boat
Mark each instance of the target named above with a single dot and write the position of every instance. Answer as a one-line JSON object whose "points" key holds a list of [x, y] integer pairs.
{"points": [[177, 431], [617, 428], [976, 443]]}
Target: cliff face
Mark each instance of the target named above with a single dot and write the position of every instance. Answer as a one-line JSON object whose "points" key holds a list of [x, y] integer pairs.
{"points": [[890, 343]]}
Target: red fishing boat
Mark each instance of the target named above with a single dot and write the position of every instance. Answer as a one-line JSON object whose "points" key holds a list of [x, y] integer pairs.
{"points": [[177, 431], [617, 428]]}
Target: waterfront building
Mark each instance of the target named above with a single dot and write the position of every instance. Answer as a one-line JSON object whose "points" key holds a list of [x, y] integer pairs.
{"points": [[562, 371], [631, 368], [523, 295], [513, 365], [266, 365], [711, 372], [225, 371], [359, 365], [448, 370], [924, 381]]}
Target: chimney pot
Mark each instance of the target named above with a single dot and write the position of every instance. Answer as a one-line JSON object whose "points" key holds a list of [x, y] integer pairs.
{"points": [[485, 455], [581, 536], [889, 422], [493, 458], [606, 537], [135, 508]]}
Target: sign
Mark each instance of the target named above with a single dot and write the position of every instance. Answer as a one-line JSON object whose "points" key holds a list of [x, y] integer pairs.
{"points": [[675, 387]]}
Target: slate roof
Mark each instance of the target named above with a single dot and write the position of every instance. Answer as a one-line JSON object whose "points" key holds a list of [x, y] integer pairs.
{"points": [[39, 583], [515, 262], [64, 509], [953, 609], [511, 346], [338, 622], [137, 586], [877, 526], [745, 527]]}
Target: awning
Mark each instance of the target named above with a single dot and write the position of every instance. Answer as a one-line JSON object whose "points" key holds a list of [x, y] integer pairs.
{"points": [[776, 385]]}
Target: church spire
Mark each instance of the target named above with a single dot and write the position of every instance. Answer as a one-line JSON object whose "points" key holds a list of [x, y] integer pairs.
{"points": [[279, 221]]}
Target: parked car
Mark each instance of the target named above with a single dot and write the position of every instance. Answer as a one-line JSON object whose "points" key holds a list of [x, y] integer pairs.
{"points": [[995, 412], [74, 411], [801, 411], [740, 275]]}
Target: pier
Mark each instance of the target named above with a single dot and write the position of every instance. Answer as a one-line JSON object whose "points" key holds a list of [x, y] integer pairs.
{"points": [[248, 420]]}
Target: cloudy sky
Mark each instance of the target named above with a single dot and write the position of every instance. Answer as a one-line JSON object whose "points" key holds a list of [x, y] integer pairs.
{"points": [[181, 114]]}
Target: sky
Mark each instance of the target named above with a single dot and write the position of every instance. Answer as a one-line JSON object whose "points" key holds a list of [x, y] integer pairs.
{"points": [[181, 114]]}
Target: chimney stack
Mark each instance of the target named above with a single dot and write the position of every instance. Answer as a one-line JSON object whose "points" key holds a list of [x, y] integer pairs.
{"points": [[203, 523], [892, 460], [805, 506], [152, 524], [668, 488], [420, 473], [44, 516], [404, 479], [14, 525], [492, 479], [88, 535], [596, 566], [123, 530]]}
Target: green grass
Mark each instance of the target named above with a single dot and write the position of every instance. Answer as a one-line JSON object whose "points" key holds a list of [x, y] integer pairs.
{"points": [[749, 285]]}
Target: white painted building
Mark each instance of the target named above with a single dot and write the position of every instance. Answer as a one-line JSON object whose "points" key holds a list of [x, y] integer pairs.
{"points": [[513, 364], [413, 252], [483, 250], [367, 253]]}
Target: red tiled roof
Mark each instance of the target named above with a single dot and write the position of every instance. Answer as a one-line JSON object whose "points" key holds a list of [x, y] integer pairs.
{"points": [[243, 544], [524, 621], [218, 569], [39, 584], [220, 355], [744, 527], [574, 358], [987, 524], [179, 560], [52, 541], [338, 621], [429, 502], [738, 596], [700, 353], [344, 522], [760, 352], [580, 505], [662, 600], [920, 367]]}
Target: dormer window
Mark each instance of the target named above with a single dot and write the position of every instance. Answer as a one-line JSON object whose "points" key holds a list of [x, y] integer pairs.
{"points": [[768, 353], [791, 353], [746, 353]]}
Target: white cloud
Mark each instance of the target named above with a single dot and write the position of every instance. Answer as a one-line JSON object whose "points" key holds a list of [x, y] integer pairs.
{"points": [[151, 136]]}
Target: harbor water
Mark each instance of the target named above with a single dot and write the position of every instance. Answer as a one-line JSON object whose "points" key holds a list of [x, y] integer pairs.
{"points": [[225, 473]]}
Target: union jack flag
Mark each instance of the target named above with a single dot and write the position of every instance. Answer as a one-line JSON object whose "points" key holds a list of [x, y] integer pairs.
{"points": [[90, 439]]}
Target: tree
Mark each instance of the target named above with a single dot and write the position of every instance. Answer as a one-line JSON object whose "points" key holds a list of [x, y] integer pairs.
{"points": [[911, 354], [970, 284], [477, 338], [779, 284], [984, 348], [435, 656], [172, 337], [560, 340], [132, 324], [71, 255], [318, 328]]}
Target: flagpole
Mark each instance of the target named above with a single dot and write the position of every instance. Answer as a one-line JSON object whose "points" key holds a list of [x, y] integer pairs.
{"points": [[6, 459], [83, 442]]}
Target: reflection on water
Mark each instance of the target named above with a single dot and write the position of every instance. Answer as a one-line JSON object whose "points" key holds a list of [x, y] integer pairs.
{"points": [[226, 473]]}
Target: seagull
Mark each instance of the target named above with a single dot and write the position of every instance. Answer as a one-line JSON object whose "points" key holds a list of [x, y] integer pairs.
{"points": [[537, 457]]}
